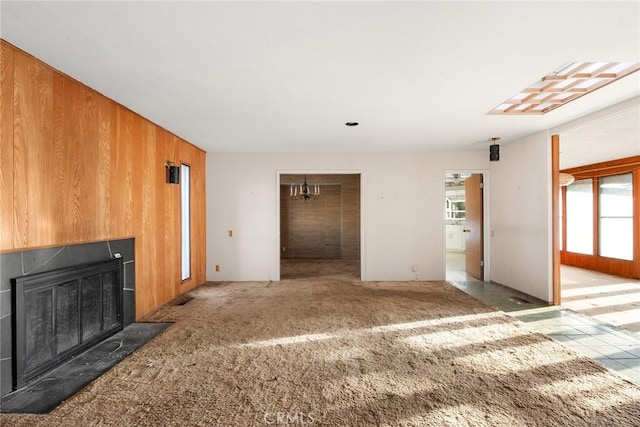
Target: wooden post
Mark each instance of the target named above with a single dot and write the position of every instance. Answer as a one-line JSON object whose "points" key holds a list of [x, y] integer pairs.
{"points": [[555, 213]]}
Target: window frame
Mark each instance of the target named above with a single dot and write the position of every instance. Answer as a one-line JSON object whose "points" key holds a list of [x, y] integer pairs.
{"points": [[185, 226]]}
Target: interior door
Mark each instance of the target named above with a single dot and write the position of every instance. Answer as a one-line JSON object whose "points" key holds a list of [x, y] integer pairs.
{"points": [[473, 229]]}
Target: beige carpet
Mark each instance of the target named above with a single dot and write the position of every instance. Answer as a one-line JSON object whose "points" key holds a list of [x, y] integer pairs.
{"points": [[338, 352]]}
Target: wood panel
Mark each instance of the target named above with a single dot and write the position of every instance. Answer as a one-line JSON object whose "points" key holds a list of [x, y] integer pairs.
{"points": [[6, 145], [199, 212], [613, 266], [168, 225], [144, 181], [59, 174], [77, 167], [34, 218], [122, 174], [80, 146], [107, 132]]}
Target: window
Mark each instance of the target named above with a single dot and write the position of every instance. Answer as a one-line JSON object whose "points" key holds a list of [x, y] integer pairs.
{"points": [[580, 217], [185, 215], [616, 217], [560, 221]]}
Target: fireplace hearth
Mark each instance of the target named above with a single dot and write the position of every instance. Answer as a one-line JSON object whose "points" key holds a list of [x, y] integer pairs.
{"points": [[60, 313]]}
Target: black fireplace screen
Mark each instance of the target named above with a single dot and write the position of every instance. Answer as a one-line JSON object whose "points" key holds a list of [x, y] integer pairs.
{"points": [[60, 313]]}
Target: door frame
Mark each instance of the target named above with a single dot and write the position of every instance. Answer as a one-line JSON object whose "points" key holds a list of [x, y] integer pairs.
{"points": [[280, 172], [486, 201]]}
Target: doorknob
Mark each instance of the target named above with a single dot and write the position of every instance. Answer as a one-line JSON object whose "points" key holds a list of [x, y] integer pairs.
{"points": [[466, 230]]}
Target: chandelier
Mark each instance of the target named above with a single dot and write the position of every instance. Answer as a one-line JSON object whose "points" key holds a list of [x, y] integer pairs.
{"points": [[304, 191]]}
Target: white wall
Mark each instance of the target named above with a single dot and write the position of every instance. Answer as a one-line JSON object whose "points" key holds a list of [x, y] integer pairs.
{"points": [[521, 216], [402, 210]]}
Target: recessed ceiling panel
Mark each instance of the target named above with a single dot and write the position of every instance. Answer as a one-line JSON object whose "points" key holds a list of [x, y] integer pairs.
{"points": [[563, 86]]}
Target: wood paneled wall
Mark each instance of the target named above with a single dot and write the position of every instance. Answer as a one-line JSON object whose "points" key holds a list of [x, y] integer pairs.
{"points": [[325, 228], [77, 167]]}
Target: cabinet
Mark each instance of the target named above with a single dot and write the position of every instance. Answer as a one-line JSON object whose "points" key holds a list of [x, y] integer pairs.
{"points": [[455, 209], [455, 237]]}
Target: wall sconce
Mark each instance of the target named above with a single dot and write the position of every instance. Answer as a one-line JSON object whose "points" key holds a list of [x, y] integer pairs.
{"points": [[173, 173]]}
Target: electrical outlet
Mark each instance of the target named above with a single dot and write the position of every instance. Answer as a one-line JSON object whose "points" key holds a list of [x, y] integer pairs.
{"points": [[414, 268], [230, 233], [217, 267]]}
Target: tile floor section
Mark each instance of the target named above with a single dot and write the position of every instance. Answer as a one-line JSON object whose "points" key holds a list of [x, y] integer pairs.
{"points": [[617, 349]]}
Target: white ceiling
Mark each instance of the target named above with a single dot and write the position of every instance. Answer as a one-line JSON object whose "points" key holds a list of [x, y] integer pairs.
{"points": [[610, 137], [286, 76]]}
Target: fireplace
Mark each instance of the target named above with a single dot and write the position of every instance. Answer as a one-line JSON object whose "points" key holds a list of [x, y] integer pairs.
{"points": [[59, 313]]}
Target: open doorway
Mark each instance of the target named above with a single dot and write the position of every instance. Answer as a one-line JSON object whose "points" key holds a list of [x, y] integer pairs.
{"points": [[319, 234], [464, 226], [597, 249]]}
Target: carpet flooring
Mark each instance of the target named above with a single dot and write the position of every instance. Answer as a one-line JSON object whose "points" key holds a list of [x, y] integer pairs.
{"points": [[339, 352]]}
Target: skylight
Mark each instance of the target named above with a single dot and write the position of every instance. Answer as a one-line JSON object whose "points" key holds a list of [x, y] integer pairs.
{"points": [[560, 87]]}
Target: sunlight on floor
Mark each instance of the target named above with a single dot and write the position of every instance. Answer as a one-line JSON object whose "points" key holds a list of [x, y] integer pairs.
{"points": [[517, 358], [462, 337], [590, 392], [376, 329], [620, 318], [594, 290], [610, 299], [604, 301], [434, 322]]}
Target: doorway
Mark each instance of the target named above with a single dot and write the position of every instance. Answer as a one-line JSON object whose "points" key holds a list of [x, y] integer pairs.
{"points": [[319, 234], [596, 249], [464, 226]]}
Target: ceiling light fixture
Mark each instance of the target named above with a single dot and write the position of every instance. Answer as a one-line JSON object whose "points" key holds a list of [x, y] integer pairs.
{"points": [[563, 86], [565, 179], [304, 191]]}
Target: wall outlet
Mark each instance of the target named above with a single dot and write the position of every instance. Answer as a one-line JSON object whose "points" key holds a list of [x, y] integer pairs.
{"points": [[217, 267], [284, 249], [414, 268], [230, 233]]}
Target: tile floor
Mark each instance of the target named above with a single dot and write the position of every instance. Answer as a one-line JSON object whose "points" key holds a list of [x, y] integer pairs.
{"points": [[615, 348], [611, 299]]}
